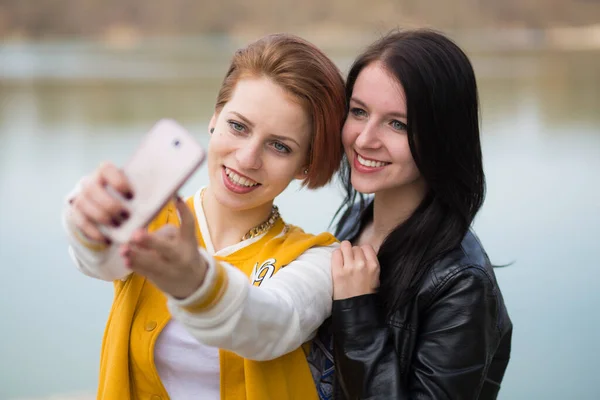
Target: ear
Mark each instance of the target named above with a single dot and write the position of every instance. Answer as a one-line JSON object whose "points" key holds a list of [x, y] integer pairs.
{"points": [[302, 173], [213, 121]]}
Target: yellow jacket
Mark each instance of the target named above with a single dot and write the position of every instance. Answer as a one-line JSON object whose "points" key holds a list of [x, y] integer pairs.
{"points": [[139, 313]]}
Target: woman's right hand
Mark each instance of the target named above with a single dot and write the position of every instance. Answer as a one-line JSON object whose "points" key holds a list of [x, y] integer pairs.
{"points": [[354, 270], [94, 205]]}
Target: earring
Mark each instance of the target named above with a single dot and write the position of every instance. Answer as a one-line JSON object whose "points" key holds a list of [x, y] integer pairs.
{"points": [[212, 130], [306, 171]]}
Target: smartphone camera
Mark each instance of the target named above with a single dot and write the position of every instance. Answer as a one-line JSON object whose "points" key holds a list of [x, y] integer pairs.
{"points": [[176, 143]]}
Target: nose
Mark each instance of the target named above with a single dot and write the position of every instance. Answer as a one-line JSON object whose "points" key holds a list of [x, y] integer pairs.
{"points": [[368, 138], [249, 156]]}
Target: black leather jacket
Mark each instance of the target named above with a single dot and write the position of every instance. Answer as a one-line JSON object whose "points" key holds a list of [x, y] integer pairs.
{"points": [[452, 341]]}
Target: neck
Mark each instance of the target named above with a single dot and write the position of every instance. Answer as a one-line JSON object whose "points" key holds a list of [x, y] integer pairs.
{"points": [[393, 207], [226, 226]]}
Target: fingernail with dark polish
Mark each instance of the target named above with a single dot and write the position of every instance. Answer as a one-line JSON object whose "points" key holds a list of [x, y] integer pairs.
{"points": [[129, 195], [115, 223], [124, 214]]}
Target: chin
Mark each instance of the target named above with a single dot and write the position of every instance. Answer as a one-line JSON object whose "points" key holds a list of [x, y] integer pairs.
{"points": [[232, 203], [226, 198], [364, 187], [236, 202]]}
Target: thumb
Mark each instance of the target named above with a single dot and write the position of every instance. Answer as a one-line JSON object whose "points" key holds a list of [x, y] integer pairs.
{"points": [[337, 260], [188, 220]]}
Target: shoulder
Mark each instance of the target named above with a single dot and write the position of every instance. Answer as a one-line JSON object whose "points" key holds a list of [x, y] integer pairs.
{"points": [[292, 235], [465, 278], [319, 253], [466, 269], [293, 243]]}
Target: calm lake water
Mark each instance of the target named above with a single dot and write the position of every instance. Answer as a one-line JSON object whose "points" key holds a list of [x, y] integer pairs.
{"points": [[65, 107]]}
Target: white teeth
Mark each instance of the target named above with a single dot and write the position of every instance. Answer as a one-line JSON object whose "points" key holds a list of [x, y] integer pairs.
{"points": [[370, 163], [238, 180]]}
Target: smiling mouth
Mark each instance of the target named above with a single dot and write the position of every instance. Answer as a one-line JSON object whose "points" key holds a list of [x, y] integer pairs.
{"points": [[239, 180], [365, 162]]}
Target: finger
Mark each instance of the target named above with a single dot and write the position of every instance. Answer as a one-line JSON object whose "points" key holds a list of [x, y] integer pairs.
{"points": [[165, 246], [108, 174], [137, 236], [98, 213], [169, 231], [124, 252], [144, 261], [188, 220], [89, 230], [337, 262], [97, 194], [347, 254], [359, 258], [370, 257], [91, 212]]}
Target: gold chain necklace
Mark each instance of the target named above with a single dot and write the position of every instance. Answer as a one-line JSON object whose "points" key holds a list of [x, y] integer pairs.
{"points": [[259, 229]]}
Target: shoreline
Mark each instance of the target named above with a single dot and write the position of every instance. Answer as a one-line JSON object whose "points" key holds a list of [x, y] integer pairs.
{"points": [[66, 396], [141, 60]]}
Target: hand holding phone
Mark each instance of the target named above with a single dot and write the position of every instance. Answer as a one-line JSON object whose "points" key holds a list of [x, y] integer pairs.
{"points": [[114, 203], [164, 161]]}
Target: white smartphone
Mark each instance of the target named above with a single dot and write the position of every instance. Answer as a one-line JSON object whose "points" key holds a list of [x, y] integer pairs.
{"points": [[164, 161]]}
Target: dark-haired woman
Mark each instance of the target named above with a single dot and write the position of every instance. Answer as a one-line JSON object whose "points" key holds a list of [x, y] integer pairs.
{"points": [[417, 310]]}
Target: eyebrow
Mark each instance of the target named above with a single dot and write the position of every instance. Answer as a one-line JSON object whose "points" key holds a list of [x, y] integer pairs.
{"points": [[251, 126], [285, 138], [394, 114], [244, 119]]}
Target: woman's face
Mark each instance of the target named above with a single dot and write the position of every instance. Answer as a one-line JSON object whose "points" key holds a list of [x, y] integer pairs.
{"points": [[260, 143], [374, 134]]}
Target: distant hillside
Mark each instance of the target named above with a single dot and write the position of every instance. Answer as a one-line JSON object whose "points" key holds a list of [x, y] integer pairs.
{"points": [[100, 18]]}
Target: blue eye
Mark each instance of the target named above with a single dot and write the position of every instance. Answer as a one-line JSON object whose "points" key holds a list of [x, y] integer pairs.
{"points": [[280, 147], [358, 112], [236, 126], [397, 125]]}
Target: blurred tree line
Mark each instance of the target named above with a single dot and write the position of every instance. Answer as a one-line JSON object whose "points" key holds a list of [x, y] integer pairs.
{"points": [[38, 19]]}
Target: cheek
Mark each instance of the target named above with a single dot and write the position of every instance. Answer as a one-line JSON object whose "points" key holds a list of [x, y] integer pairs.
{"points": [[221, 143], [348, 134], [400, 152], [211, 153], [408, 158], [404, 155], [282, 169], [409, 163], [218, 148]]}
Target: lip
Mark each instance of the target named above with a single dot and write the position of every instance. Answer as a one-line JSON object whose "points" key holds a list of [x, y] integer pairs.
{"points": [[238, 189], [363, 168]]}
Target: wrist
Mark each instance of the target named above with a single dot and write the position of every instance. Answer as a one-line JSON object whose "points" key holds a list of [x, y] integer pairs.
{"points": [[193, 282], [210, 292], [347, 293]]}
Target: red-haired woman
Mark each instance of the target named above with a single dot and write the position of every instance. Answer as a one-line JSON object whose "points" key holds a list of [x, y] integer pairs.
{"points": [[203, 307]]}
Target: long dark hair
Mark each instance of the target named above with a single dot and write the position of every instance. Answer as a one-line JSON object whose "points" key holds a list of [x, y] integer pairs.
{"points": [[443, 135]]}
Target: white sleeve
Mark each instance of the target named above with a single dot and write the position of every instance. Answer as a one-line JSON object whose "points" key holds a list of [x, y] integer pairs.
{"points": [[91, 258], [260, 322]]}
